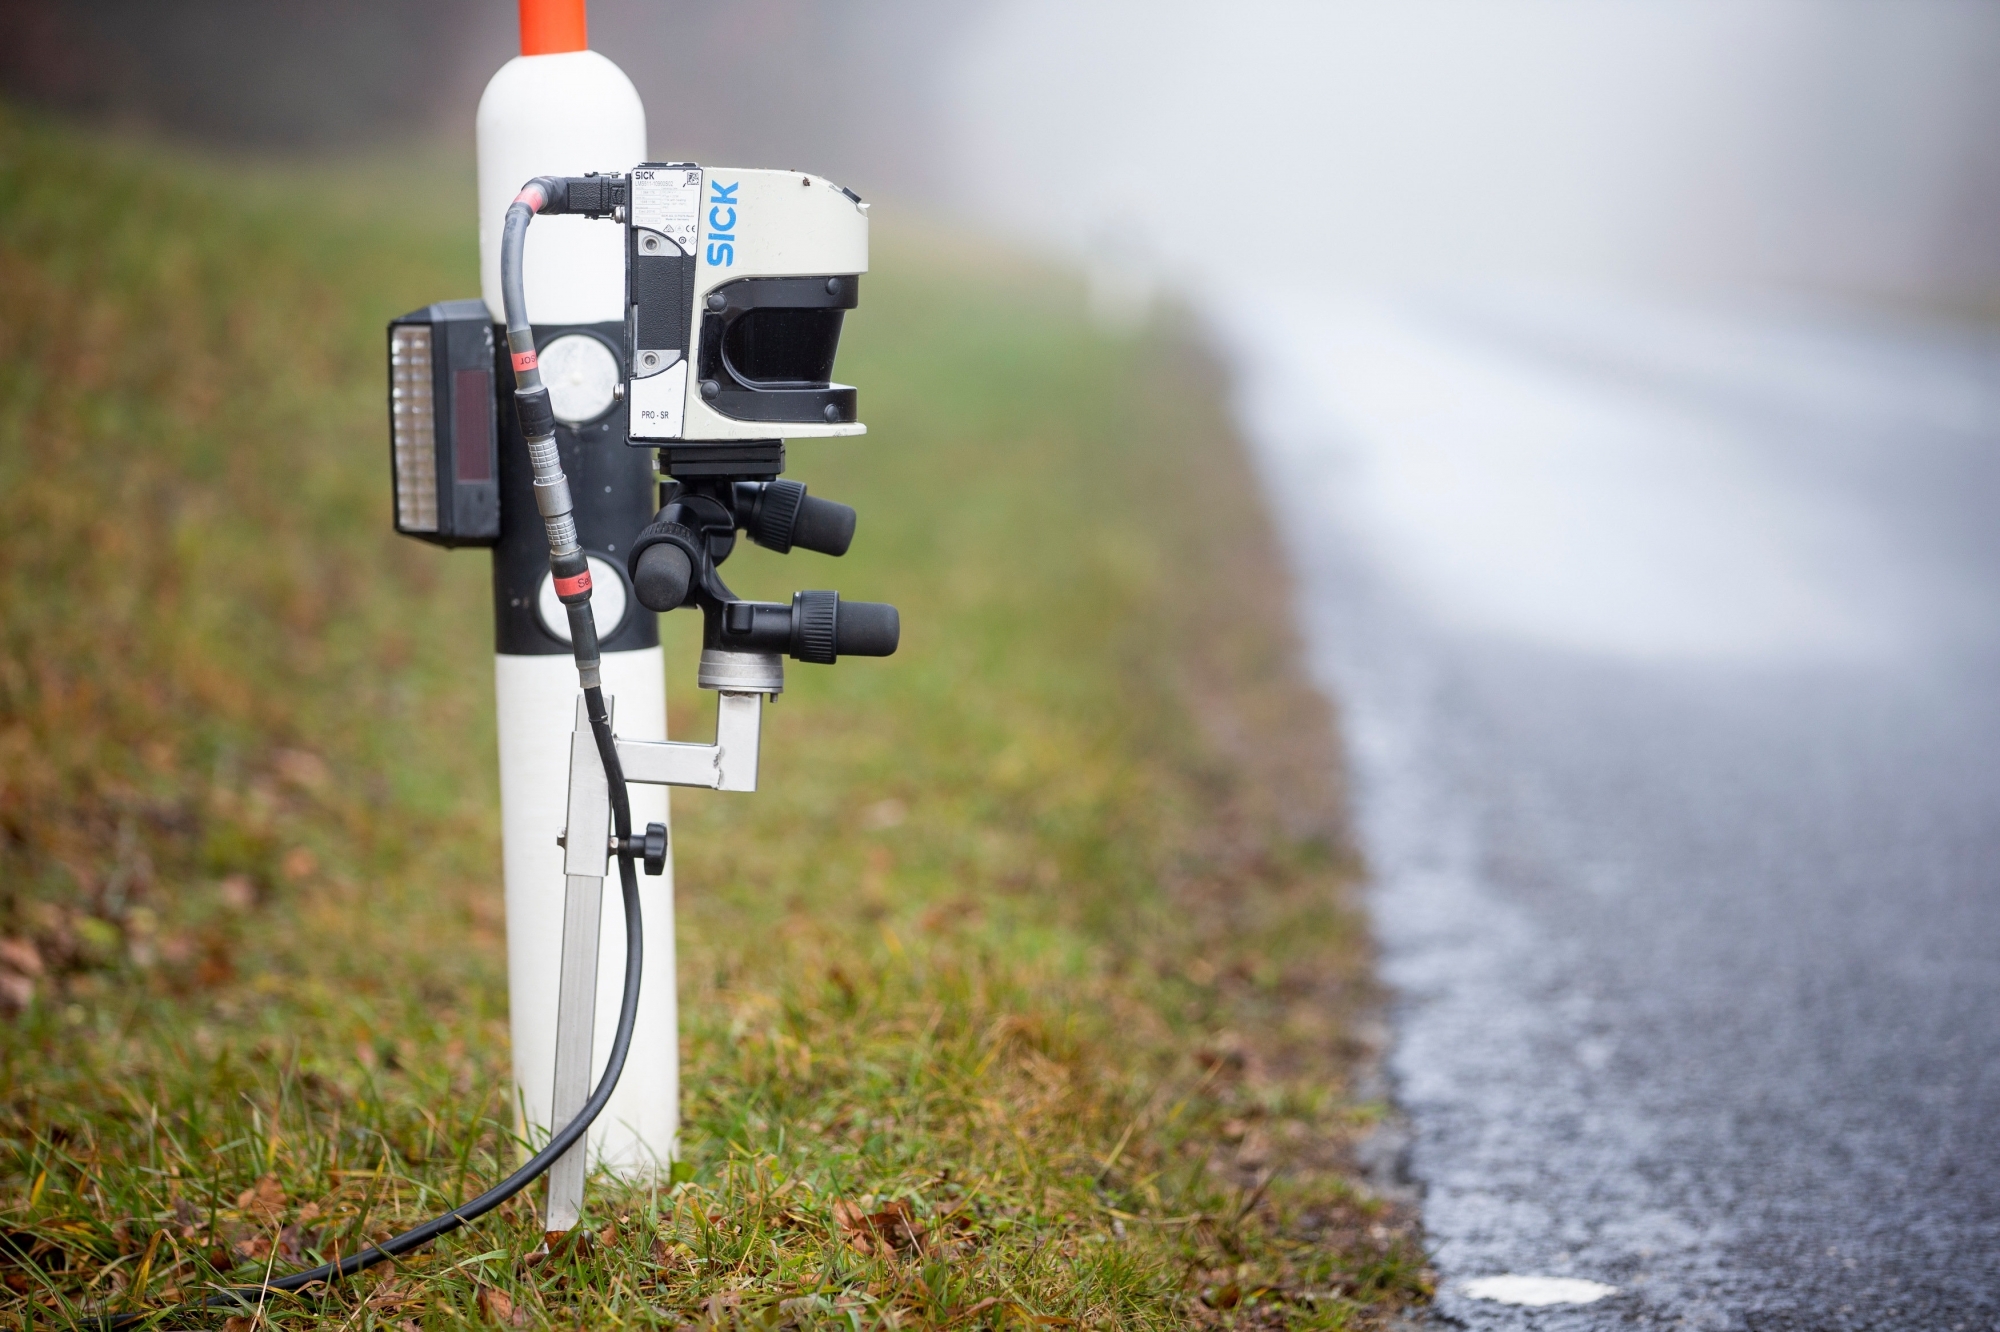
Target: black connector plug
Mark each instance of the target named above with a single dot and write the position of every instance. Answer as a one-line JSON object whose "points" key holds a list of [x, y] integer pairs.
{"points": [[589, 196]]}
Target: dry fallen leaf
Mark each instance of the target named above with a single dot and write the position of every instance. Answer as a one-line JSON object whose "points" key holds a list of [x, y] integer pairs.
{"points": [[303, 769], [20, 963], [238, 892], [887, 1230], [498, 1308], [884, 814], [293, 1243], [263, 1200], [570, 1243], [21, 955], [16, 991]]}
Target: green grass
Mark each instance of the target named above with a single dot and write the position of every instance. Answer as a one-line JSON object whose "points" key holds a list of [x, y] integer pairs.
{"points": [[1021, 995]]}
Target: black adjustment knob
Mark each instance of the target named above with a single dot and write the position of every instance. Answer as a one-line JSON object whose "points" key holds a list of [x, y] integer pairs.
{"points": [[867, 629], [656, 848], [662, 577], [776, 510], [823, 525], [780, 515]]}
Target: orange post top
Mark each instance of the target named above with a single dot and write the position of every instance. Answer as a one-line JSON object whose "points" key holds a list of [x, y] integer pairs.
{"points": [[550, 27]]}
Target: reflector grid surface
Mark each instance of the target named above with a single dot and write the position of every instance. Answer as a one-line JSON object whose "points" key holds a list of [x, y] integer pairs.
{"points": [[413, 411]]}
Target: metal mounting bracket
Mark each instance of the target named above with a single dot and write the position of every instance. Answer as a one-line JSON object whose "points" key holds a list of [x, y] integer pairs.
{"points": [[730, 764]]}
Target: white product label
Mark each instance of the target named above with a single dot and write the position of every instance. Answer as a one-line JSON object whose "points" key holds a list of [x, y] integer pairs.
{"points": [[668, 200], [659, 403]]}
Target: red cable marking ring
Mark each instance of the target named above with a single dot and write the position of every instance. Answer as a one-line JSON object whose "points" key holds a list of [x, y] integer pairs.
{"points": [[569, 587], [525, 360]]}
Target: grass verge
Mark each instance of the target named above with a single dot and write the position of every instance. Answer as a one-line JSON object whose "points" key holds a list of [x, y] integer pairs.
{"points": [[1023, 995]]}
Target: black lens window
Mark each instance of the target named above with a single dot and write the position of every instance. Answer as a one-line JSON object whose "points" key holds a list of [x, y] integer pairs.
{"points": [[782, 348]]}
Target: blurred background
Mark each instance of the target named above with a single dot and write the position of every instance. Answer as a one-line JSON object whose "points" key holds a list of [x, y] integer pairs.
{"points": [[1623, 380], [852, 87], [1831, 145]]}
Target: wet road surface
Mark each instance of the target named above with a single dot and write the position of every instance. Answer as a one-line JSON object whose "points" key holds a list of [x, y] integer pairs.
{"points": [[1668, 647]]}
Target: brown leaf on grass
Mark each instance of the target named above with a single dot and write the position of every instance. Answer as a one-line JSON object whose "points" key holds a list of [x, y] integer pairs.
{"points": [[238, 1324], [264, 1200], [293, 1243], [299, 863], [498, 1308], [1224, 1054], [974, 1310], [21, 955], [884, 814], [16, 991], [257, 1248], [20, 963], [237, 891], [890, 1229], [576, 1244], [303, 769], [217, 967], [667, 1259]]}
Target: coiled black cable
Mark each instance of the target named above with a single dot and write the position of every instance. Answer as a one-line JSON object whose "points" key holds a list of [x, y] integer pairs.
{"points": [[565, 562]]}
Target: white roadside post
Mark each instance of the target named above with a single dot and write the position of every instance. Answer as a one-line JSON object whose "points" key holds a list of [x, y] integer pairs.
{"points": [[569, 111], [608, 421]]}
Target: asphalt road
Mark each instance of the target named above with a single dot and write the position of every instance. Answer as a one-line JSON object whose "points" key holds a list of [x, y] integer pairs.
{"points": [[1668, 647]]}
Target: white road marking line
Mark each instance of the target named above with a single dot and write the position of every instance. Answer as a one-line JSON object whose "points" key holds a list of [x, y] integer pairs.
{"points": [[1537, 1292]]}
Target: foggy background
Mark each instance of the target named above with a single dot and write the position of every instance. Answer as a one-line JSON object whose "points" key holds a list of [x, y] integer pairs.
{"points": [[1708, 187], [847, 89], [1842, 146]]}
